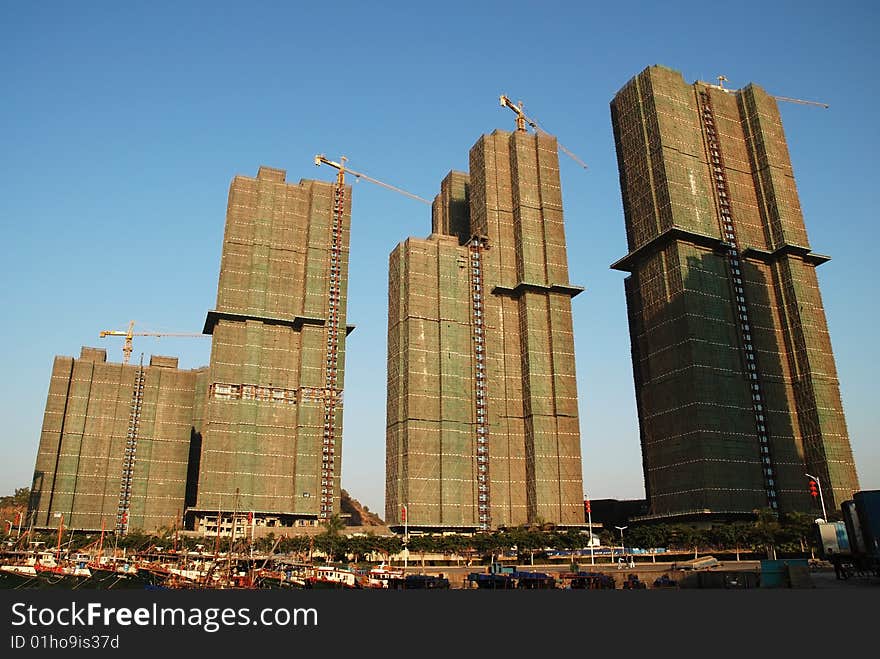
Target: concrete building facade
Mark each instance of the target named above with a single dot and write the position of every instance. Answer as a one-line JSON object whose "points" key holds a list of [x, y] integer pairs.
{"points": [[735, 381], [482, 424]]}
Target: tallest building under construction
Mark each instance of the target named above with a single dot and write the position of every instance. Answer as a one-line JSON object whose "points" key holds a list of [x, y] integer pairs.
{"points": [[482, 425], [736, 387]]}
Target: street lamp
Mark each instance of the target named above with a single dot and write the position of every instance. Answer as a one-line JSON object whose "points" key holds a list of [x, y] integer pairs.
{"points": [[405, 538], [621, 528], [590, 525], [821, 498]]}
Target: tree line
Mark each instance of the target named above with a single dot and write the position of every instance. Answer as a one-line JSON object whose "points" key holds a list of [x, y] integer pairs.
{"points": [[765, 534]]}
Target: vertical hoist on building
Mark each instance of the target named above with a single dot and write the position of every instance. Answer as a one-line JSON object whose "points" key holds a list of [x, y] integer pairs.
{"points": [[522, 121], [728, 233], [330, 395], [475, 248], [128, 458]]}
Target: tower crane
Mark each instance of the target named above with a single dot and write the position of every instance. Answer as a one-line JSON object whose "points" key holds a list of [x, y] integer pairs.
{"points": [[320, 159], [522, 120], [800, 100], [722, 79], [329, 393], [130, 333]]}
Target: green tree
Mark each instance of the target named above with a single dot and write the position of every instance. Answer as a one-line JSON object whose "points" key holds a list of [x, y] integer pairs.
{"points": [[330, 541], [798, 531], [22, 496], [334, 525], [297, 544], [731, 536], [265, 543], [448, 545], [766, 531], [358, 546], [571, 539], [388, 545], [422, 544], [649, 536], [483, 544], [137, 540], [332, 545]]}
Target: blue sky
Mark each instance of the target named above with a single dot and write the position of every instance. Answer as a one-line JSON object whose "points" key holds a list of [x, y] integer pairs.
{"points": [[122, 126]]}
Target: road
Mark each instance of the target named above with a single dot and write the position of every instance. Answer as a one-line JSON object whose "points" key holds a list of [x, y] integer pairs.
{"points": [[821, 577]]}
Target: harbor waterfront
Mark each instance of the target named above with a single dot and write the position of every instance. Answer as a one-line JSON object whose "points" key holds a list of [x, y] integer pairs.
{"points": [[156, 569]]}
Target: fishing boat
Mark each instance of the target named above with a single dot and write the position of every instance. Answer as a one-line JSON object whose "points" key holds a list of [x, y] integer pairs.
{"points": [[62, 573], [424, 582], [117, 572], [492, 581], [329, 576], [281, 577], [18, 575], [382, 576], [43, 569]]}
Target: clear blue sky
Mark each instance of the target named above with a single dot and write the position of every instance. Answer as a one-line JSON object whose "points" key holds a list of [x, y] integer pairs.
{"points": [[121, 128]]}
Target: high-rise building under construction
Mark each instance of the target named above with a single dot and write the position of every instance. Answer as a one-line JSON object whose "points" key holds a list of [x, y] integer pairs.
{"points": [[272, 428], [736, 387], [259, 430], [115, 445], [482, 419]]}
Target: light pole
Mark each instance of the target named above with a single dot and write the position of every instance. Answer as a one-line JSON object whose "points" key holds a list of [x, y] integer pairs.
{"points": [[405, 538], [590, 525], [821, 498], [622, 548]]}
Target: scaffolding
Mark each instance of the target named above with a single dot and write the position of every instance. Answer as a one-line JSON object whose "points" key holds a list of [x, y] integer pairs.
{"points": [[476, 247], [728, 232], [128, 460], [330, 397]]}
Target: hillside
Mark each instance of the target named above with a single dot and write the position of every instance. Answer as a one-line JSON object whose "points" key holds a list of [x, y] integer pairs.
{"points": [[13, 506], [358, 515]]}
